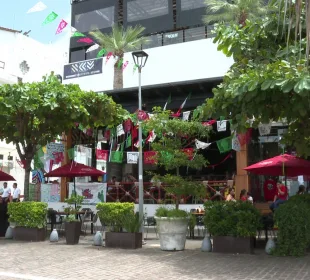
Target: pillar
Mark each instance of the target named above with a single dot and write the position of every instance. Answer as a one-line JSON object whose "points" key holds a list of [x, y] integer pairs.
{"points": [[242, 178], [67, 141]]}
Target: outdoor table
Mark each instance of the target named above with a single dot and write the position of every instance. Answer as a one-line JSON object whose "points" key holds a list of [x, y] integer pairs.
{"points": [[79, 213]]}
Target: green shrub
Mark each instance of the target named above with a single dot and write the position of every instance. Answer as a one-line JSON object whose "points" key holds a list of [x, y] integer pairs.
{"points": [[28, 214], [170, 213], [132, 222], [113, 214], [239, 219], [74, 206], [293, 221]]}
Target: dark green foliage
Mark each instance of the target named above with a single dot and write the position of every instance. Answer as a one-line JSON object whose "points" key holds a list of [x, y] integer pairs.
{"points": [[239, 219], [293, 221], [28, 214]]}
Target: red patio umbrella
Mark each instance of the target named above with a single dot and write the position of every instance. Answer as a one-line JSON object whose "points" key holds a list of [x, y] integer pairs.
{"points": [[75, 169], [282, 165], [6, 177]]}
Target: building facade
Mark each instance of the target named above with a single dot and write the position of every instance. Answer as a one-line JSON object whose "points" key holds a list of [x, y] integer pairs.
{"points": [[23, 59]]}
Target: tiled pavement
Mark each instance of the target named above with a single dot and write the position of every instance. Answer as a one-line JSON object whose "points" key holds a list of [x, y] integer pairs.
{"points": [[51, 261]]}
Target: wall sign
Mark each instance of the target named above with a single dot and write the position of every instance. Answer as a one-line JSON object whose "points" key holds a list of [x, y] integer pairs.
{"points": [[83, 68]]}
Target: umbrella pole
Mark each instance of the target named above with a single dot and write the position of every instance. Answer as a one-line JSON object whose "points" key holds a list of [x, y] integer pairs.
{"points": [[74, 192]]}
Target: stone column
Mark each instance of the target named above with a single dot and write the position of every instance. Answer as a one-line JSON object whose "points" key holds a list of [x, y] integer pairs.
{"points": [[242, 178]]}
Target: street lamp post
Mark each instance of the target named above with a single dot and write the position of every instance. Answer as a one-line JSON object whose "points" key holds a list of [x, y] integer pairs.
{"points": [[140, 58]]}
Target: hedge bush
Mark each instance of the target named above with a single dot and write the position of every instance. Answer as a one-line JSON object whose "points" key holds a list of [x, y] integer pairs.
{"points": [[28, 214], [239, 219], [293, 221], [113, 214]]}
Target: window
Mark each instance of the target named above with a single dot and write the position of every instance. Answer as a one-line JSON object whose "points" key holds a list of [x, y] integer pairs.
{"points": [[192, 4], [173, 37], [153, 41], [77, 55], [98, 19], [195, 34], [145, 9]]}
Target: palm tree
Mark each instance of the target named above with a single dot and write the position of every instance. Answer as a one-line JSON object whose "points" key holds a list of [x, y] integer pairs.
{"points": [[119, 42], [237, 11]]}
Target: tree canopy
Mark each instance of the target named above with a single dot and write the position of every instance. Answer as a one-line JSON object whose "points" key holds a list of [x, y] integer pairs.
{"points": [[33, 114], [269, 80], [175, 136]]}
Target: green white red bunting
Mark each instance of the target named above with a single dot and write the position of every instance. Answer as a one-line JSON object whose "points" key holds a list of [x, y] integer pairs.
{"points": [[62, 25], [221, 125], [201, 145], [264, 129]]}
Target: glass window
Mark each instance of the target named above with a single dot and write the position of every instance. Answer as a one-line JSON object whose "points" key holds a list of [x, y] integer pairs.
{"points": [[192, 4], [173, 37], [98, 19], [195, 34], [77, 55], [153, 41], [145, 9]]}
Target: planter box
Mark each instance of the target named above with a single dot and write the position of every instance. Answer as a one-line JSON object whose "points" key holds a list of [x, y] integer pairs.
{"points": [[73, 231], [123, 240], [29, 234], [233, 245]]}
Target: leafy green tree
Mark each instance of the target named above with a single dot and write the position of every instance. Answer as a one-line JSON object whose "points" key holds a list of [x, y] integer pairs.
{"points": [[33, 114], [174, 136], [269, 80], [237, 11], [118, 42]]}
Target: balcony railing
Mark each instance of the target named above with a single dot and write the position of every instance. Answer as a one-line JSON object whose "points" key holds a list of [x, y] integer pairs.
{"points": [[157, 193]]}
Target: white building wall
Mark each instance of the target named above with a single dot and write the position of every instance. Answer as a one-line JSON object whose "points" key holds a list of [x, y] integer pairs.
{"points": [[166, 64], [41, 59]]}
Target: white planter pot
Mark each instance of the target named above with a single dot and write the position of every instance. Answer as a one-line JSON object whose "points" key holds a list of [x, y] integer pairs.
{"points": [[54, 236], [98, 239], [270, 246], [9, 233], [172, 233]]}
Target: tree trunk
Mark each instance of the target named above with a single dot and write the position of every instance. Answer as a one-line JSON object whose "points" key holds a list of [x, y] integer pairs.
{"points": [[118, 75], [26, 180]]}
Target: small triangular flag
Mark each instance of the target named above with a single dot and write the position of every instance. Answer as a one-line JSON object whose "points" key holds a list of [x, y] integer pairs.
{"points": [[50, 18], [40, 6]]}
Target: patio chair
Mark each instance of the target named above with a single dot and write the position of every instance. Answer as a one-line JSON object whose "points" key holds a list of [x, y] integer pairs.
{"points": [[151, 222], [85, 221], [53, 221]]}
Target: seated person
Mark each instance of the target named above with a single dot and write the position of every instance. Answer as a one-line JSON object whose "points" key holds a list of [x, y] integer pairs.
{"points": [[112, 182], [243, 195], [250, 198], [231, 195], [301, 189], [280, 197]]}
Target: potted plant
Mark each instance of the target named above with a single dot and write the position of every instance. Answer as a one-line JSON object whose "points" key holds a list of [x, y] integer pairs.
{"points": [[233, 225], [172, 151], [123, 225], [72, 223], [30, 220]]}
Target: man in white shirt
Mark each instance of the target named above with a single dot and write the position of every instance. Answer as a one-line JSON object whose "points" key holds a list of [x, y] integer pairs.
{"points": [[6, 192], [16, 193]]}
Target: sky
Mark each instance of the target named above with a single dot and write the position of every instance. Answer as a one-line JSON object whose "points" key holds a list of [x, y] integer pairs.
{"points": [[13, 14]]}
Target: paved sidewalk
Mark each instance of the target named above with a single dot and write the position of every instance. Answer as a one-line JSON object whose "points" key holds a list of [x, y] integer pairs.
{"points": [[51, 261]]}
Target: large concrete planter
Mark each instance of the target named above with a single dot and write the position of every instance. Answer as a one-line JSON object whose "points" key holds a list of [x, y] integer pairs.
{"points": [[233, 245], [29, 234], [123, 240], [172, 233]]}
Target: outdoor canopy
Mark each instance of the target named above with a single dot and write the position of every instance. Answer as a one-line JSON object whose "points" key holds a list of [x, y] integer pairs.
{"points": [[6, 177], [282, 165], [75, 169]]}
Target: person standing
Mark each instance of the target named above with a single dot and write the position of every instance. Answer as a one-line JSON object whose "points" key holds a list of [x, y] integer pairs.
{"points": [[16, 193], [280, 197], [6, 192]]}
